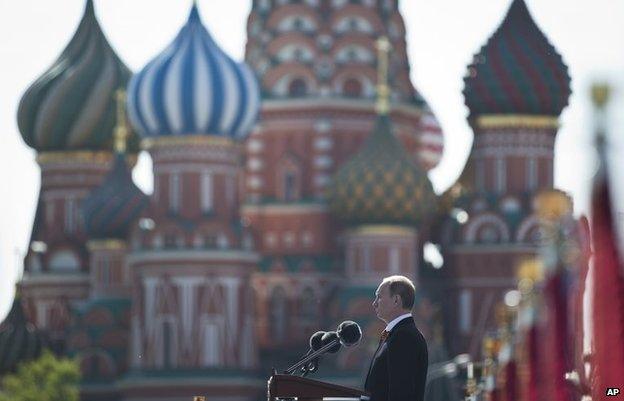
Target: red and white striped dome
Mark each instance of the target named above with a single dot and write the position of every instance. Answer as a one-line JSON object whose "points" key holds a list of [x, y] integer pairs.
{"points": [[431, 140]]}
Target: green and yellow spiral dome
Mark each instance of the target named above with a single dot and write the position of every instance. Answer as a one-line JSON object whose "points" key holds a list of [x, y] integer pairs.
{"points": [[380, 184]]}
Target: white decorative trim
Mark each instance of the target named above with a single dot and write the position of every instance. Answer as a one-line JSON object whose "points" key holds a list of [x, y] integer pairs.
{"points": [[322, 125], [323, 162], [323, 143], [270, 240], [254, 145], [394, 259], [430, 155], [486, 218], [206, 191], [307, 239], [525, 227], [255, 164], [289, 239], [254, 182]]}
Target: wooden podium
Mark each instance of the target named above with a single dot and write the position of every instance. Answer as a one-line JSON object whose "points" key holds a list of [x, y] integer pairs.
{"points": [[287, 386]]}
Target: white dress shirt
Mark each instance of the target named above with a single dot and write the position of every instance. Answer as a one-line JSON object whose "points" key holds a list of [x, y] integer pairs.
{"points": [[396, 320]]}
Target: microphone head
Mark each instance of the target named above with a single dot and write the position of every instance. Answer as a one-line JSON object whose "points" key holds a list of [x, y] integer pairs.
{"points": [[316, 341], [349, 333], [329, 337]]}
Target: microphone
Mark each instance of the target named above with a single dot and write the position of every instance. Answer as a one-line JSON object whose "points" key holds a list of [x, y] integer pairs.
{"points": [[331, 337], [349, 333], [316, 341]]}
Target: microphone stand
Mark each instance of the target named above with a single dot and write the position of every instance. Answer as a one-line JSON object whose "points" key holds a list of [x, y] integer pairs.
{"points": [[312, 356]]}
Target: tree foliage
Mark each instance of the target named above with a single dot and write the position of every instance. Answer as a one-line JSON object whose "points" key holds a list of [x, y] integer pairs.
{"points": [[45, 379]]}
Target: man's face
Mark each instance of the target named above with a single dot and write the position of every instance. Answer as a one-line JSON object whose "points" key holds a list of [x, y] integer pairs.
{"points": [[386, 306]]}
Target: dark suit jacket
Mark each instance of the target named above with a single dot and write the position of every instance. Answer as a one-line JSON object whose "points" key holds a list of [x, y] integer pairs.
{"points": [[398, 371]]}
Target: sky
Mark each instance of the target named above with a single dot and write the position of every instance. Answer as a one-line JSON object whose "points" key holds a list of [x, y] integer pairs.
{"points": [[442, 36]]}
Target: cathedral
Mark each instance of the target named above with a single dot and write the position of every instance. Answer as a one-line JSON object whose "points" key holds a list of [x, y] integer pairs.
{"points": [[285, 188]]}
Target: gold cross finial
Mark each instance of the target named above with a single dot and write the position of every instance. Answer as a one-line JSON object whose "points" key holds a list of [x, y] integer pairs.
{"points": [[600, 94], [121, 129], [383, 90]]}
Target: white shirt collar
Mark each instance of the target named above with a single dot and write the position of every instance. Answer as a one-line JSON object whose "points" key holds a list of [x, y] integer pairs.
{"points": [[396, 320]]}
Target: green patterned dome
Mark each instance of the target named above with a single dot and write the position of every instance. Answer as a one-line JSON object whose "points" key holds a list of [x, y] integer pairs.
{"points": [[380, 184], [72, 105]]}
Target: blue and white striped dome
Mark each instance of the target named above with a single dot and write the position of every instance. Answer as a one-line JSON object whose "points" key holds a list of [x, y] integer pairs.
{"points": [[193, 88]]}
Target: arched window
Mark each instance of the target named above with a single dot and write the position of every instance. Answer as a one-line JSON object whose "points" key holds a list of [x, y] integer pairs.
{"points": [[489, 234], [212, 340], [279, 310], [352, 88], [290, 186], [169, 350], [289, 176], [97, 365], [354, 53], [222, 241], [297, 88], [170, 240], [210, 240], [308, 306], [175, 192]]}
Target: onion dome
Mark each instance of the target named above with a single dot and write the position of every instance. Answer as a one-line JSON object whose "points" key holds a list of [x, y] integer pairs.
{"points": [[193, 88], [111, 208], [19, 339], [380, 184], [431, 139], [518, 71], [71, 106]]}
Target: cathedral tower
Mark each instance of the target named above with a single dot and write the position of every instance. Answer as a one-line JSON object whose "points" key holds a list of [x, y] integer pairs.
{"points": [[191, 256], [515, 89], [316, 62], [67, 115]]}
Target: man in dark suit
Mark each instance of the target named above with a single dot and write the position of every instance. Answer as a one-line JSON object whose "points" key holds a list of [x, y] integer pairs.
{"points": [[398, 371]]}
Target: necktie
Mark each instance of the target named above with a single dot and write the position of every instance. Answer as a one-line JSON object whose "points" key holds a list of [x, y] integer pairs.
{"points": [[384, 336]]}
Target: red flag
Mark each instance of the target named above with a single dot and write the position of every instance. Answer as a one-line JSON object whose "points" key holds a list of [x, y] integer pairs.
{"points": [[606, 291], [558, 262], [578, 312]]}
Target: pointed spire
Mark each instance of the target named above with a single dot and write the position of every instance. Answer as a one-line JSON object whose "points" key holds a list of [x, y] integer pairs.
{"points": [[194, 15], [89, 9], [121, 129], [383, 90], [600, 94]]}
